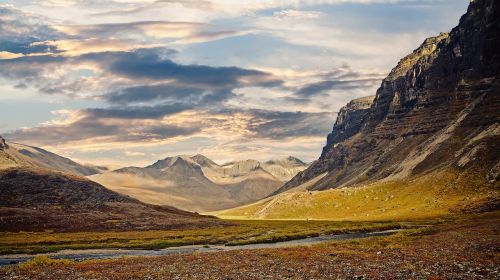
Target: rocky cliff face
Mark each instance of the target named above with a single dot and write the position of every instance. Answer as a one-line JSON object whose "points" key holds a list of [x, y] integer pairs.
{"points": [[439, 108], [349, 120]]}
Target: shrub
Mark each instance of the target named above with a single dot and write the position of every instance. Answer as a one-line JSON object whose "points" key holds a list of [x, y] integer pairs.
{"points": [[43, 261]]}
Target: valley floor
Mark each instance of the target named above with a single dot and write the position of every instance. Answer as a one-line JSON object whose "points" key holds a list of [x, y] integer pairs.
{"points": [[467, 247]]}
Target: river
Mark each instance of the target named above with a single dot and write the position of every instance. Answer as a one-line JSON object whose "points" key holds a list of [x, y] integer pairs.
{"points": [[92, 254]]}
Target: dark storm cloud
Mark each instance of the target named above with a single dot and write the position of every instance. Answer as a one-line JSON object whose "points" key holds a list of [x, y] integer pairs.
{"points": [[27, 47], [279, 125], [27, 69], [153, 64], [319, 88], [146, 124], [169, 92], [138, 112], [283, 124], [143, 93], [197, 82], [96, 123]]}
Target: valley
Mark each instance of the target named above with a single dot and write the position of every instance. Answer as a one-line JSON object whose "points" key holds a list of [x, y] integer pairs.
{"points": [[465, 248], [406, 186]]}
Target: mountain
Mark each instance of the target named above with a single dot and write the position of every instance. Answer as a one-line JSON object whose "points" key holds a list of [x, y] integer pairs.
{"points": [[13, 154], [284, 169], [197, 183], [35, 197], [439, 108], [429, 140]]}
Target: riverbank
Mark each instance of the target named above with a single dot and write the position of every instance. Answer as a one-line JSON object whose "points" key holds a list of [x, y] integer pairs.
{"points": [[241, 233], [96, 254], [465, 248]]}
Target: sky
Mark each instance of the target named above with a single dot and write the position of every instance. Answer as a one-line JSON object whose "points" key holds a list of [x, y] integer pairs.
{"points": [[127, 82]]}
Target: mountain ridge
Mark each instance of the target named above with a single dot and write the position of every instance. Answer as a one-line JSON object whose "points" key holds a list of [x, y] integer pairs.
{"points": [[197, 183], [20, 155]]}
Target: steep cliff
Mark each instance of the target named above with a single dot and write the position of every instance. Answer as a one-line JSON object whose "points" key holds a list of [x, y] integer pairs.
{"points": [[438, 109]]}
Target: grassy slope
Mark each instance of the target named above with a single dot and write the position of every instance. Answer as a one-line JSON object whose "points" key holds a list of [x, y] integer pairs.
{"points": [[430, 196]]}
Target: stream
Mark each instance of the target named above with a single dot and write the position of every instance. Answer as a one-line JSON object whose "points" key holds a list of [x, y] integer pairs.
{"points": [[90, 254]]}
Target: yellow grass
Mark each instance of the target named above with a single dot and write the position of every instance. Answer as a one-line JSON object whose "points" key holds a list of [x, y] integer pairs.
{"points": [[431, 196]]}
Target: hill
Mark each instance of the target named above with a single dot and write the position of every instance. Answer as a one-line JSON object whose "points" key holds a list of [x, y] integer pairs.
{"points": [[36, 197], [38, 200], [19, 155]]}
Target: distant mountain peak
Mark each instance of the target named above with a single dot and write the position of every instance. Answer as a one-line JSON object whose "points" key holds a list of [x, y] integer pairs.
{"points": [[203, 160], [290, 160]]}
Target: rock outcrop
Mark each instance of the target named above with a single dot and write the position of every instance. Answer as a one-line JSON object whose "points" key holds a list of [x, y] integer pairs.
{"points": [[439, 108], [3, 145], [349, 120]]}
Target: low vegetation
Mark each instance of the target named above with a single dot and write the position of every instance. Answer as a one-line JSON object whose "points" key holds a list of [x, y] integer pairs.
{"points": [[43, 261], [464, 248], [243, 232]]}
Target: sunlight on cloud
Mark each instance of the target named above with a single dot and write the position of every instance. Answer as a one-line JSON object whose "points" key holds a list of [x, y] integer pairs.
{"points": [[225, 78], [9, 55]]}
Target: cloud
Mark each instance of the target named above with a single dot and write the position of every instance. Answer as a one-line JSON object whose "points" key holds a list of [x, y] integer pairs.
{"points": [[341, 78], [137, 112], [107, 125], [179, 32], [158, 4], [134, 154], [19, 30], [9, 55], [160, 123], [152, 64], [168, 92], [297, 14], [323, 86], [74, 47], [104, 72], [155, 29], [282, 125]]}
